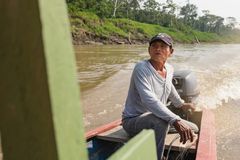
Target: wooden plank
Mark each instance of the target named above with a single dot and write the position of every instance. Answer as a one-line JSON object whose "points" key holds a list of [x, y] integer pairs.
{"points": [[140, 147], [117, 134], [103, 129], [207, 137], [1, 153], [40, 113]]}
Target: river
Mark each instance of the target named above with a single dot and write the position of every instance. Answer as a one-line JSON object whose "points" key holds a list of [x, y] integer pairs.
{"points": [[104, 73]]}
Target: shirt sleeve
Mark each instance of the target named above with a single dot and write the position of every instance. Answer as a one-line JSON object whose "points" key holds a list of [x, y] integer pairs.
{"points": [[175, 98], [149, 99]]}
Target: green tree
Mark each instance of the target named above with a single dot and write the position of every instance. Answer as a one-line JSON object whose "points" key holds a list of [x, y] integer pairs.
{"points": [[129, 9], [151, 8], [210, 22], [103, 8], [135, 7], [76, 5], [125, 8], [168, 15], [231, 22], [150, 5], [189, 13]]}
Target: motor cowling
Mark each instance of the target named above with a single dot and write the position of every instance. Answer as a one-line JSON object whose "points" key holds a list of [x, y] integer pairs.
{"points": [[186, 85]]}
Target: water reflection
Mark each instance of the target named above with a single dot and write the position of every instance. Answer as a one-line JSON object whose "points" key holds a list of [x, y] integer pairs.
{"points": [[97, 63]]}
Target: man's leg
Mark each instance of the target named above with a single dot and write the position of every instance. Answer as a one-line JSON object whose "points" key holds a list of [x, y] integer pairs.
{"points": [[148, 121]]}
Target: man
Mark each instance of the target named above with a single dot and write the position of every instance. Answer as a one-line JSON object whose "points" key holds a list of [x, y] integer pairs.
{"points": [[150, 88]]}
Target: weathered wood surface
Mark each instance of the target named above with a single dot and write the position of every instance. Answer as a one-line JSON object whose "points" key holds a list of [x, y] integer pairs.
{"points": [[117, 134]]}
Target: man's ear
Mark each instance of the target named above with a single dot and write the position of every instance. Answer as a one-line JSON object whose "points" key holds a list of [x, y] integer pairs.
{"points": [[171, 52]]}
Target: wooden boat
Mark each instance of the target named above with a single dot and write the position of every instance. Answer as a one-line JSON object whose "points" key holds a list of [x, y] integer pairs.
{"points": [[107, 139], [44, 124]]}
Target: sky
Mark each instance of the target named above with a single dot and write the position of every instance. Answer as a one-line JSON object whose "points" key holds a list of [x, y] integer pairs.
{"points": [[223, 8]]}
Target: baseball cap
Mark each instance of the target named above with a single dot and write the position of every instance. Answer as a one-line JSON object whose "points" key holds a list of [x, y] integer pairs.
{"points": [[162, 37]]}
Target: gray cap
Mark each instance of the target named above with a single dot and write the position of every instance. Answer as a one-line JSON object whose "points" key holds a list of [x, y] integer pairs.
{"points": [[162, 37]]}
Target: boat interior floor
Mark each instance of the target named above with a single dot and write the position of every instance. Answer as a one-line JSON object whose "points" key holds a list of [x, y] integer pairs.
{"points": [[118, 134]]}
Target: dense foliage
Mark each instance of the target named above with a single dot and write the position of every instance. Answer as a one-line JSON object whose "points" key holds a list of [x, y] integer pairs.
{"points": [[167, 14], [135, 21]]}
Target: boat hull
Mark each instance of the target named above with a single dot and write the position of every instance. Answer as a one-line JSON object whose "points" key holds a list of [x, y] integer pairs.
{"points": [[107, 139]]}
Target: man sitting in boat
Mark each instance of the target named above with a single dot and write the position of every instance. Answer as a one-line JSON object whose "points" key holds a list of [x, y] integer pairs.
{"points": [[150, 88]]}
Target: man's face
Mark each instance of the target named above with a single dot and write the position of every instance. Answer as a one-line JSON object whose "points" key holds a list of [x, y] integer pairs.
{"points": [[159, 51]]}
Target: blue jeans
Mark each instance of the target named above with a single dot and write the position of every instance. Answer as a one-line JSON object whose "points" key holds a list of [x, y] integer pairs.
{"points": [[149, 121]]}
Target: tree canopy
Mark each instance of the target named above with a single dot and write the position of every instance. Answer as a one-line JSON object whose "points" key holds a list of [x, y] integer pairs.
{"points": [[167, 14]]}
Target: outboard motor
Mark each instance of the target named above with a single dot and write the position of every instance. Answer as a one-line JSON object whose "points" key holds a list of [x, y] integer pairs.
{"points": [[185, 83]]}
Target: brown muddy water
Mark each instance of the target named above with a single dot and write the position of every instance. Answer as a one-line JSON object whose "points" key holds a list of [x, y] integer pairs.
{"points": [[104, 73]]}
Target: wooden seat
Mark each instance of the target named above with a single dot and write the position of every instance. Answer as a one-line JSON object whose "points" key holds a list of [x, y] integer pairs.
{"points": [[118, 134]]}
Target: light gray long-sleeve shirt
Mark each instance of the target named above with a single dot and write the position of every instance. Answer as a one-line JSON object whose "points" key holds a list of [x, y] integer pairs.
{"points": [[149, 92]]}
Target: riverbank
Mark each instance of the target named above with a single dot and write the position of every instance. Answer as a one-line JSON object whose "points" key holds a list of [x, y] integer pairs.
{"points": [[88, 28]]}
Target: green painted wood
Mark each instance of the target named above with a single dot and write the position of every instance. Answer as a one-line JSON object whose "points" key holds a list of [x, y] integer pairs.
{"points": [[40, 112], [141, 147]]}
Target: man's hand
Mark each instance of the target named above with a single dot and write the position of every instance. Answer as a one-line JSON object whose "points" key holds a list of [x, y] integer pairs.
{"points": [[188, 106], [185, 131]]}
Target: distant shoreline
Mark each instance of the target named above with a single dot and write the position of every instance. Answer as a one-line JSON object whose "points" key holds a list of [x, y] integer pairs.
{"points": [[121, 41], [88, 28], [89, 38]]}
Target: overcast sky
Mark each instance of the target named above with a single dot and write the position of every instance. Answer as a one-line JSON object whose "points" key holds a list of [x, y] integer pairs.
{"points": [[223, 8]]}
